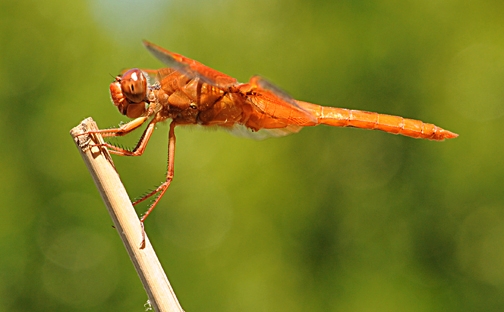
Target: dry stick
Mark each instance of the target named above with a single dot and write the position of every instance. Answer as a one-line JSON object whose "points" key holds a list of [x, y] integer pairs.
{"points": [[98, 160]]}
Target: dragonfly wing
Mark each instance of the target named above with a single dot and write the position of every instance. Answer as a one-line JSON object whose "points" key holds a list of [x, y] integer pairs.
{"points": [[190, 67], [244, 132], [264, 84], [277, 104]]}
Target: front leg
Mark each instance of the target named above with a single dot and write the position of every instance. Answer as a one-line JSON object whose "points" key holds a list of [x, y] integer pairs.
{"points": [[123, 130], [139, 148]]}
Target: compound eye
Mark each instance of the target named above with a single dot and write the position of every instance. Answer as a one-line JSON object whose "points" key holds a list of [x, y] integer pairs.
{"points": [[134, 85]]}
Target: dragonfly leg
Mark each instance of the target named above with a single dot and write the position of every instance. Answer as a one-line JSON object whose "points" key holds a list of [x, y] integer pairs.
{"points": [[160, 190], [139, 148], [122, 130]]}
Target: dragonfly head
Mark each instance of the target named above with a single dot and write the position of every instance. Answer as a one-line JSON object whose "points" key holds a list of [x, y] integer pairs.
{"points": [[129, 93]]}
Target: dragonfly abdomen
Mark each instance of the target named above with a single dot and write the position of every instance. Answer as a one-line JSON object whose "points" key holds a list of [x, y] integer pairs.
{"points": [[341, 117]]}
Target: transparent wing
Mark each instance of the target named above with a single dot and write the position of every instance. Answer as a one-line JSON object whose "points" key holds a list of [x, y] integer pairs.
{"points": [[190, 68], [244, 132], [272, 101]]}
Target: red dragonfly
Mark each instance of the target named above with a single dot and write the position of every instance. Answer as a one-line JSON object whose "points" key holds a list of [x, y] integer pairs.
{"points": [[188, 92]]}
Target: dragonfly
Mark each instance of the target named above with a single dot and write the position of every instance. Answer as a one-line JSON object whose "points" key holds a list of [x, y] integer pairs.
{"points": [[190, 93]]}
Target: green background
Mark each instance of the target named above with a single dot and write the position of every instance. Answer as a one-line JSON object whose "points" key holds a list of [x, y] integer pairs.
{"points": [[324, 220]]}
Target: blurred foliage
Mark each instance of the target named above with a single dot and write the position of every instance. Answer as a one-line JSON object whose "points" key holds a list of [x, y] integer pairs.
{"points": [[327, 219]]}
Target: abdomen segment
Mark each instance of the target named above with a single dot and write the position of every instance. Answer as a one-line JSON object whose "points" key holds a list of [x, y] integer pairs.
{"points": [[341, 117]]}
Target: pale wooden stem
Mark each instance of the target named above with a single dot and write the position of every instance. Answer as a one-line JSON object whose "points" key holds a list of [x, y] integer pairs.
{"points": [[99, 163]]}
